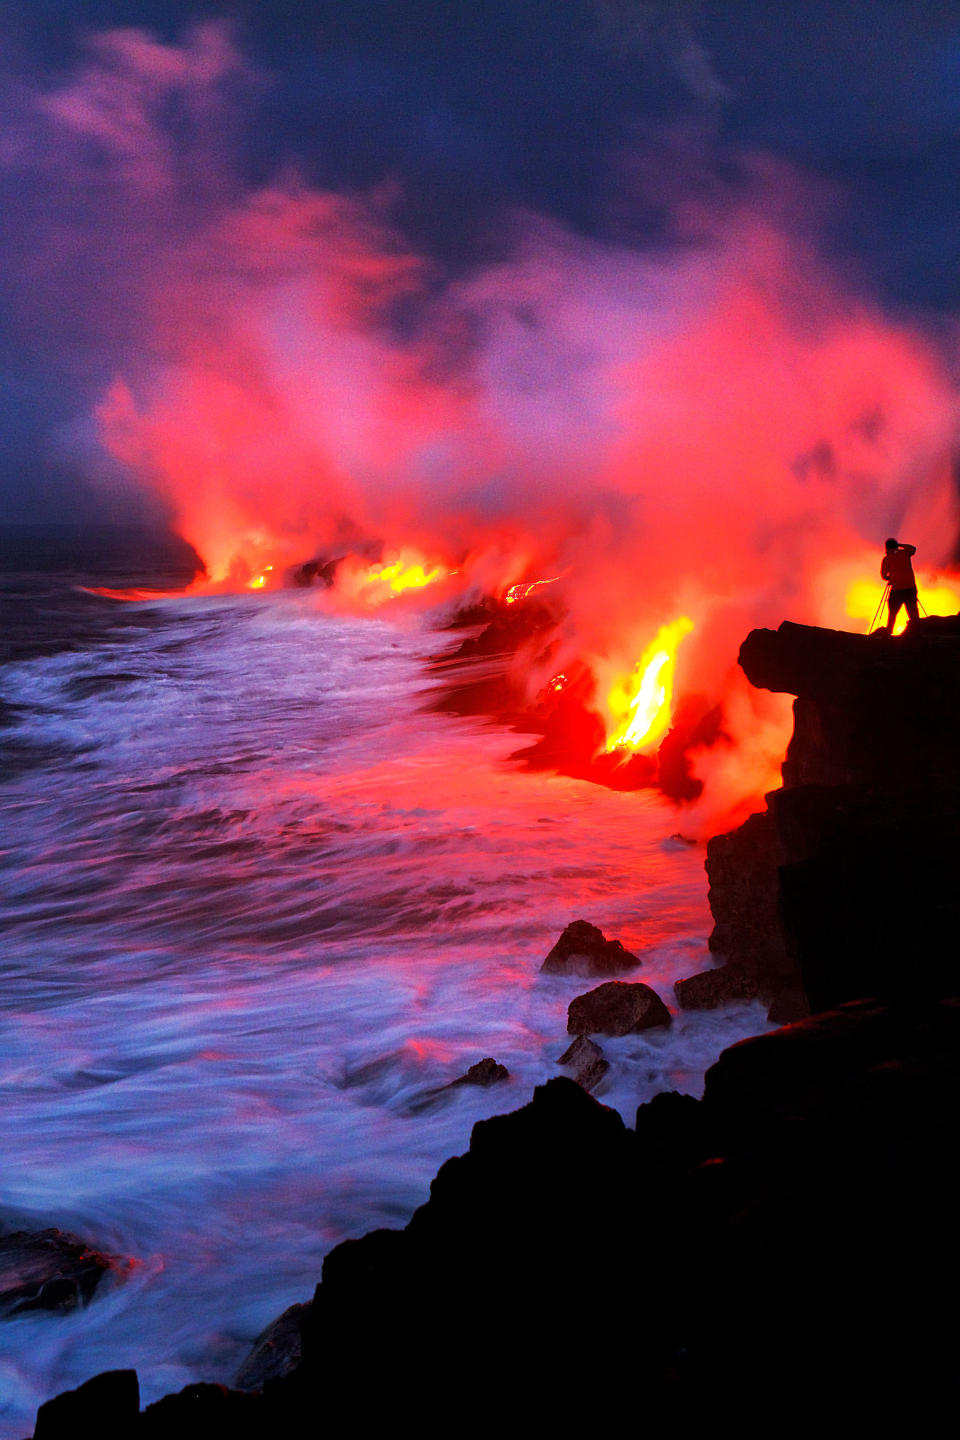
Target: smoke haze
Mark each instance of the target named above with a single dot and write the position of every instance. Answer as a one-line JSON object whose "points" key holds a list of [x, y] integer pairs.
{"points": [[721, 425]]}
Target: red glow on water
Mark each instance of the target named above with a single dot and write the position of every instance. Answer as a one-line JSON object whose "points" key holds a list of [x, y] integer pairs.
{"points": [[132, 593]]}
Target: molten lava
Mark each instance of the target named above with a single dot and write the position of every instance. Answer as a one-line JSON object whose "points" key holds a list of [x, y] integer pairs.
{"points": [[375, 585], [389, 580], [520, 592], [640, 703]]}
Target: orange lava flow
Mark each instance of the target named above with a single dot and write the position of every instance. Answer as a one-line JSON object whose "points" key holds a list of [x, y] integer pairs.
{"points": [[399, 577], [520, 592], [640, 702], [375, 585]]}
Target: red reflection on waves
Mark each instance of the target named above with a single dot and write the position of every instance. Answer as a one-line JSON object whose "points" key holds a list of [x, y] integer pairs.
{"points": [[131, 593]]}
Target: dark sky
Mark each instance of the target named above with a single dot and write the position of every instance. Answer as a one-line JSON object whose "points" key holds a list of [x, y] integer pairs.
{"points": [[618, 120]]}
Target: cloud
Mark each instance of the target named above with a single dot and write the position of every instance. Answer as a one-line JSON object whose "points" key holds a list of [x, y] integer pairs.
{"points": [[662, 30]]}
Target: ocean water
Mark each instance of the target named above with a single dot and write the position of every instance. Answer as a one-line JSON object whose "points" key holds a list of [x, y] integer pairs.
{"points": [[259, 906]]}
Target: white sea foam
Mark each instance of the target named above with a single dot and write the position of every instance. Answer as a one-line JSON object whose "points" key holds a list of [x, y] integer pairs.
{"points": [[258, 907]]}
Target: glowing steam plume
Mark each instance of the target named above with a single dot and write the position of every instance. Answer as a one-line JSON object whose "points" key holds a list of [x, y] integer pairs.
{"points": [[640, 703], [705, 428]]}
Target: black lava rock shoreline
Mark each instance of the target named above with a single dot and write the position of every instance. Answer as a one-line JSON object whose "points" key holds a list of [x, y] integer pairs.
{"points": [[781, 1249]]}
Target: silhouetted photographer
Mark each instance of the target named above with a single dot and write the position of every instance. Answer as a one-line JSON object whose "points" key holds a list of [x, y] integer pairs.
{"points": [[896, 569]]}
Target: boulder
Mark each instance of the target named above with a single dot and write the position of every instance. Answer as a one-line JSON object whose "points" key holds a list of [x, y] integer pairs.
{"points": [[617, 1008], [587, 1062], [584, 950], [485, 1072], [47, 1270], [276, 1351], [726, 985]]}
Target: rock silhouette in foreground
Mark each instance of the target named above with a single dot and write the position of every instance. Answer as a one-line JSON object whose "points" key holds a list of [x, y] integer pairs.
{"points": [[108, 1405], [845, 885], [616, 1008], [788, 1240], [583, 949]]}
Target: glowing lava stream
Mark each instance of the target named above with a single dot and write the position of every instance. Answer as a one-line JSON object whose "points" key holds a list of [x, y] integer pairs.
{"points": [[400, 577], [640, 705], [520, 592]]}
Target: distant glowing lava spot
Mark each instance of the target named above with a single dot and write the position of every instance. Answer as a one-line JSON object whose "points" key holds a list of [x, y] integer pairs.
{"points": [[377, 584], [399, 577], [640, 703], [260, 582], [520, 592], [866, 600]]}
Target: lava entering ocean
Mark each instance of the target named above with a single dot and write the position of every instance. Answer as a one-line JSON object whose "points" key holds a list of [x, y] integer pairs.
{"points": [[639, 705], [375, 585], [704, 428]]}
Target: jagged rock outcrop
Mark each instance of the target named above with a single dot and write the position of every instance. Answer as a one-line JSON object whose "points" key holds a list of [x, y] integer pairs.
{"points": [[726, 985], [619, 1007], [276, 1351], [845, 885], [586, 1063], [485, 1072], [583, 949], [795, 1227]]}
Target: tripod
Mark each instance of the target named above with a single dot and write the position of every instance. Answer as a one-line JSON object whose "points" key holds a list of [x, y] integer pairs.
{"points": [[883, 597]]}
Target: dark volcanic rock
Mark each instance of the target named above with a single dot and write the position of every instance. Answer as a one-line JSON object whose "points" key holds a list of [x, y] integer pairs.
{"points": [[485, 1072], [276, 1351], [696, 725], [796, 1226], [586, 1060], [724, 986], [617, 1008], [845, 886], [584, 950], [108, 1407], [47, 1270], [531, 1221], [509, 628], [200, 1412], [744, 899]]}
